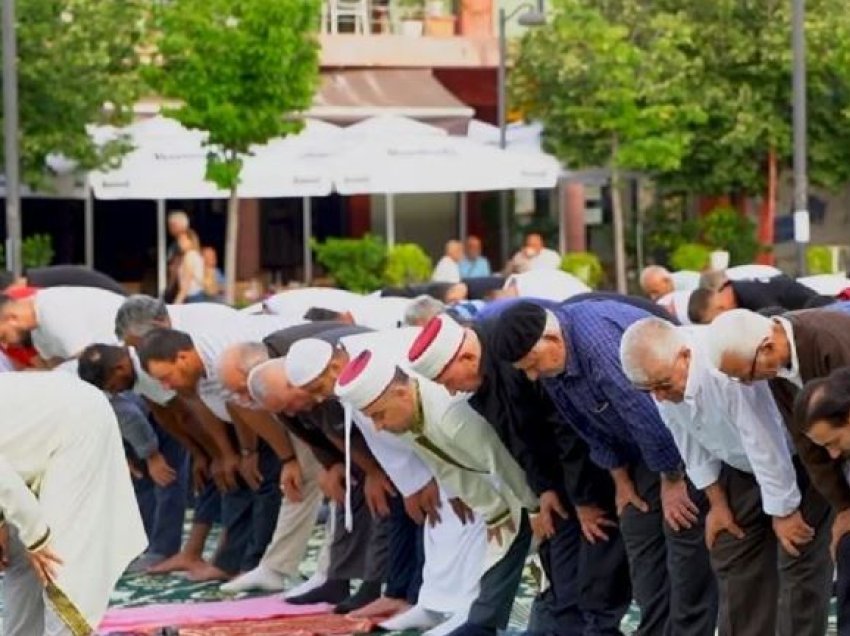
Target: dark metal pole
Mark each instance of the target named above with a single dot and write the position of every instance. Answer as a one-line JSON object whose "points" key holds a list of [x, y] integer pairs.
{"points": [[502, 98], [10, 134], [801, 198]]}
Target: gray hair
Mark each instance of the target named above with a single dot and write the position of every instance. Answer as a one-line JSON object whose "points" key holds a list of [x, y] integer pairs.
{"points": [[136, 317], [180, 217], [653, 270], [713, 279], [739, 332], [649, 339], [245, 355], [259, 378], [422, 309]]}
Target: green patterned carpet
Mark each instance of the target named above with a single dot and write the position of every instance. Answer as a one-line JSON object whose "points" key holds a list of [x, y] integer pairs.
{"points": [[137, 590]]}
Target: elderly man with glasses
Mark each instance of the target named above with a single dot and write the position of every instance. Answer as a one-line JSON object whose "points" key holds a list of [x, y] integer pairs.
{"points": [[790, 351], [737, 450]]}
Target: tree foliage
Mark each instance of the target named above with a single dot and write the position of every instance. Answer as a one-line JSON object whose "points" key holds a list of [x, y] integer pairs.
{"points": [[611, 93], [242, 71], [77, 65]]}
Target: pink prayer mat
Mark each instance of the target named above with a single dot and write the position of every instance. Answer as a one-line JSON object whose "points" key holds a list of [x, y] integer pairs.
{"points": [[151, 617]]}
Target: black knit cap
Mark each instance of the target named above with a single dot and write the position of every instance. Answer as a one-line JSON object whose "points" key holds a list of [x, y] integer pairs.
{"points": [[517, 330]]}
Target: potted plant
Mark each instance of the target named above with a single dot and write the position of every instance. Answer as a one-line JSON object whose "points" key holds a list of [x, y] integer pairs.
{"points": [[693, 257], [439, 22], [584, 266], [476, 18], [411, 14]]}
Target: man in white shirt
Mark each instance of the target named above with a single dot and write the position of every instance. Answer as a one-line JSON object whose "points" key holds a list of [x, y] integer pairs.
{"points": [[62, 321], [189, 363], [735, 447], [544, 284], [447, 269], [533, 255]]}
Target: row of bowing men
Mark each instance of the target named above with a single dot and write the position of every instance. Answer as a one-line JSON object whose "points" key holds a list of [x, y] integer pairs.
{"points": [[641, 461]]}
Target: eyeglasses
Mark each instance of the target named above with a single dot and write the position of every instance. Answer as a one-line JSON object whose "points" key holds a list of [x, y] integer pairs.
{"points": [[751, 377]]}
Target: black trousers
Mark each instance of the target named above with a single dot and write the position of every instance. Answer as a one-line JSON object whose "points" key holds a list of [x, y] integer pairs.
{"points": [[672, 580], [764, 591], [249, 517], [589, 589], [363, 552]]}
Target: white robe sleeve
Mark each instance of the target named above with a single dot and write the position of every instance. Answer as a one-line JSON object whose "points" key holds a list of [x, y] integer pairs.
{"points": [[404, 467], [19, 506], [474, 440]]}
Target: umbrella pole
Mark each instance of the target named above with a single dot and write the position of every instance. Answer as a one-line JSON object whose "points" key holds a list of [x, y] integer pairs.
{"points": [[308, 236], [88, 227], [463, 216], [161, 265], [390, 220]]}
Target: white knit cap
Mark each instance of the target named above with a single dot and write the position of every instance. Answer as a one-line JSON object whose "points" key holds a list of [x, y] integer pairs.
{"points": [[436, 346], [365, 379], [307, 360]]}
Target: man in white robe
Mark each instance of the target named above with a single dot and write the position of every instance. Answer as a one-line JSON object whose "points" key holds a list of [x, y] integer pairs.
{"points": [[466, 457], [65, 492], [454, 551]]}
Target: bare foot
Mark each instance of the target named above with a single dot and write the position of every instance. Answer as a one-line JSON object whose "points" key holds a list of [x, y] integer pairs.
{"points": [[180, 562], [207, 572], [383, 607]]}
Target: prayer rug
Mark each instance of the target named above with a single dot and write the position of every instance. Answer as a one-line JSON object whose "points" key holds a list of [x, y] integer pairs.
{"points": [[324, 625]]}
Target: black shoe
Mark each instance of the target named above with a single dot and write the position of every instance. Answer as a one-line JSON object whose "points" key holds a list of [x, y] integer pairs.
{"points": [[331, 591], [369, 591]]}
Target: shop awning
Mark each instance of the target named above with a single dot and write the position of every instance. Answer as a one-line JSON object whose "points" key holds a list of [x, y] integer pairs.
{"points": [[349, 96]]}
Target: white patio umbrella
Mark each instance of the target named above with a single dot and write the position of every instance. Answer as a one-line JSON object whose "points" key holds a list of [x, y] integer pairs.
{"points": [[169, 162], [429, 164], [392, 126]]}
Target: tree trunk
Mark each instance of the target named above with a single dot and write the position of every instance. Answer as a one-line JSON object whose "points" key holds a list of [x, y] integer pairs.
{"points": [[767, 214], [231, 241], [619, 223]]}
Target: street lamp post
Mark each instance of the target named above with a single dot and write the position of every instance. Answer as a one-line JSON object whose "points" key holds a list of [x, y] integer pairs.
{"points": [[10, 135], [801, 196], [532, 17]]}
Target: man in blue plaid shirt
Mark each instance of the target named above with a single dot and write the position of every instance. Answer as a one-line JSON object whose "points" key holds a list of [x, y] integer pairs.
{"points": [[573, 351]]}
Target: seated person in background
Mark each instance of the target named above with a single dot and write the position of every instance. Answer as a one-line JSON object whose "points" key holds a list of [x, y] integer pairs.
{"points": [[706, 304], [448, 267], [533, 255], [474, 265]]}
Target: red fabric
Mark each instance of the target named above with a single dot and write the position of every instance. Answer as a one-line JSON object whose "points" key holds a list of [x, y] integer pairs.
{"points": [[429, 332], [23, 356], [355, 368], [324, 625], [844, 295]]}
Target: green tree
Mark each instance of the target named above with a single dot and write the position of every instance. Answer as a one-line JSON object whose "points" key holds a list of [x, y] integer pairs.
{"points": [[613, 95], [242, 71], [77, 65]]}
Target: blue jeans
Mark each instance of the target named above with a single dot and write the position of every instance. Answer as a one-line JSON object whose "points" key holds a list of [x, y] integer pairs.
{"points": [[163, 509]]}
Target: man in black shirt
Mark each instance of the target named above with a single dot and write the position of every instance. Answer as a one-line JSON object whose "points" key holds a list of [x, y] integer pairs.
{"points": [[781, 291]]}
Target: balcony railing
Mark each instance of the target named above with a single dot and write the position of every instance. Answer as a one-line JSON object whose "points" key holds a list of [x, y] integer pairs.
{"points": [[409, 18]]}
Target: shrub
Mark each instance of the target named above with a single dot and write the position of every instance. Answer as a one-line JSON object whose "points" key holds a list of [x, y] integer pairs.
{"points": [[354, 264], [584, 266], [691, 256], [725, 228], [819, 260], [407, 264], [36, 251]]}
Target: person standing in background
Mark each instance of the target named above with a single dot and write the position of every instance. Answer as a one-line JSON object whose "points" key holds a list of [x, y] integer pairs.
{"points": [[192, 272]]}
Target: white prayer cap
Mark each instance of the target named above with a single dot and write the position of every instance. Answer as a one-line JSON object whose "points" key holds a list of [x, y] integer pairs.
{"points": [[307, 360], [436, 346], [365, 379]]}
